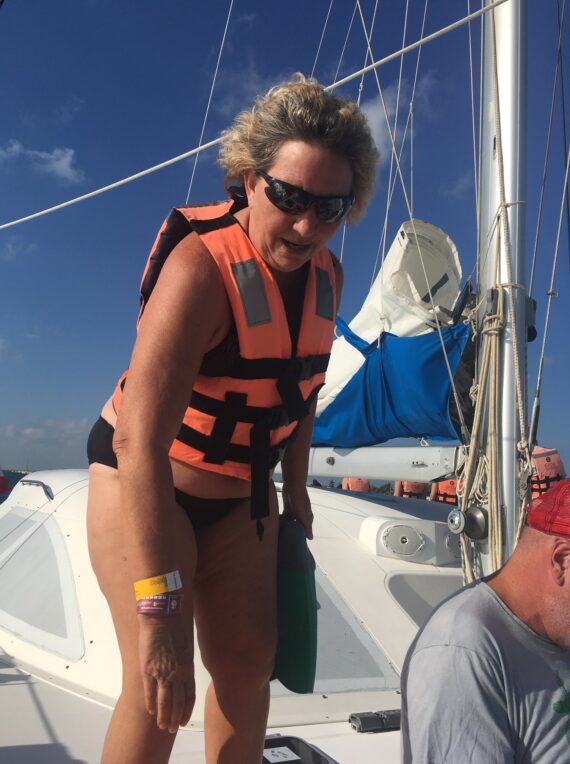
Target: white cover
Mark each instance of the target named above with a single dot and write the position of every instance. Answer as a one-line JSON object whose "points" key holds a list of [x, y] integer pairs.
{"points": [[394, 303]]}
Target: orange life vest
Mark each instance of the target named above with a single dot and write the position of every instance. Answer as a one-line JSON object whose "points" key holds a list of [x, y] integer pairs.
{"points": [[447, 492], [547, 470], [413, 490], [239, 424]]}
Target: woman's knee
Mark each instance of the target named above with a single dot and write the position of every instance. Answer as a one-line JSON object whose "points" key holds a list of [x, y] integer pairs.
{"points": [[249, 662]]}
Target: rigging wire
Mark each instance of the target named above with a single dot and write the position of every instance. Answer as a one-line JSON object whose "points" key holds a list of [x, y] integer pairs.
{"points": [[402, 145], [412, 135], [358, 99], [111, 186], [396, 112], [551, 293], [214, 78], [371, 67], [464, 431], [564, 136], [473, 126], [480, 170], [412, 46], [322, 38], [367, 35], [557, 69], [348, 31], [476, 141]]}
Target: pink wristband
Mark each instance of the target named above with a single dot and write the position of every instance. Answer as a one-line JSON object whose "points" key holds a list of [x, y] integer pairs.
{"points": [[160, 604]]}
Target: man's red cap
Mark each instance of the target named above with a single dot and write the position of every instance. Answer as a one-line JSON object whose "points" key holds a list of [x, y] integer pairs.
{"points": [[550, 513]]}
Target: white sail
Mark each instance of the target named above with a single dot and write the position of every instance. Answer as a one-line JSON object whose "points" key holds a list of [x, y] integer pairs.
{"points": [[399, 301]]}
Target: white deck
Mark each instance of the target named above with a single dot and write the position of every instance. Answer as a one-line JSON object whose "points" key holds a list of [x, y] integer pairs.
{"points": [[42, 724], [377, 579]]}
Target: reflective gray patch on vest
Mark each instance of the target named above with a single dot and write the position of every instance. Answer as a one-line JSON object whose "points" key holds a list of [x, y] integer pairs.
{"points": [[325, 302], [252, 291]]}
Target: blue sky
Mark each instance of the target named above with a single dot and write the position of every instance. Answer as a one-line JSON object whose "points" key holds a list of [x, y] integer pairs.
{"points": [[95, 90]]}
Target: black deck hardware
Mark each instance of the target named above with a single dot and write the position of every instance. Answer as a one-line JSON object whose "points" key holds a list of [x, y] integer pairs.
{"points": [[375, 721], [279, 748]]}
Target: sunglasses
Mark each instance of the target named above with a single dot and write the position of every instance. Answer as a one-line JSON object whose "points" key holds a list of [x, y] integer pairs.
{"points": [[294, 200]]}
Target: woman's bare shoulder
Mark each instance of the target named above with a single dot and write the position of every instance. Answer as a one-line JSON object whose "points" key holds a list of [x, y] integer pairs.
{"points": [[191, 289], [191, 260]]}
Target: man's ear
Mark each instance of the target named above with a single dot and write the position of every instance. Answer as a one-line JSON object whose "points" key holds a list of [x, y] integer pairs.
{"points": [[560, 561]]}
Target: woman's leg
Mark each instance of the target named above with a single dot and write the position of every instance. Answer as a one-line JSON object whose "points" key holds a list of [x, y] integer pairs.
{"points": [[235, 610], [133, 736]]}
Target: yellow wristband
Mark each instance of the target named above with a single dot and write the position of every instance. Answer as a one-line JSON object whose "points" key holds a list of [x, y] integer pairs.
{"points": [[148, 587]]}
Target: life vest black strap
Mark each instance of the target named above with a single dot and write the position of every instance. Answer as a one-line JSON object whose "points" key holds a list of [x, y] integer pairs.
{"points": [[232, 411], [260, 455], [447, 498], [542, 485], [290, 392], [274, 368], [234, 453], [206, 226], [278, 415]]}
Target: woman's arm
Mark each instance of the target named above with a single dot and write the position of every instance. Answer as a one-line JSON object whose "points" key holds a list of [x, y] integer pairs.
{"points": [[186, 314]]}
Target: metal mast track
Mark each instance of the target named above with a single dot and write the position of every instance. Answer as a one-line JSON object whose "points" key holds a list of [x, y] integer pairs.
{"points": [[501, 256]]}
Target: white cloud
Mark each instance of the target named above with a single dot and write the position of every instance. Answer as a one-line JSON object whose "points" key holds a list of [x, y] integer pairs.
{"points": [[60, 162], [240, 28], [461, 187], [557, 359], [425, 88], [239, 88], [377, 115], [45, 444], [245, 18], [15, 249], [67, 111]]}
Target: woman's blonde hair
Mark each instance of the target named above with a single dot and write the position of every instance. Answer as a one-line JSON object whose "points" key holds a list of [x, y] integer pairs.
{"points": [[302, 110]]}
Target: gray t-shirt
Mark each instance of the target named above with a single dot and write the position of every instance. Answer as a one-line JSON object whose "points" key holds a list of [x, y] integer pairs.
{"points": [[480, 687]]}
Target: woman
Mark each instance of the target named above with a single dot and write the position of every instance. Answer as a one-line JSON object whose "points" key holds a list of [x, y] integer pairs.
{"points": [[241, 313]]}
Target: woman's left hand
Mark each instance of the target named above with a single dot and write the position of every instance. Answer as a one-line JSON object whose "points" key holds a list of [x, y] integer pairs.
{"points": [[297, 504]]}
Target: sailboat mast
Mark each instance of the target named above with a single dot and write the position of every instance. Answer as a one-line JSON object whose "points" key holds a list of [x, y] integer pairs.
{"points": [[502, 242]]}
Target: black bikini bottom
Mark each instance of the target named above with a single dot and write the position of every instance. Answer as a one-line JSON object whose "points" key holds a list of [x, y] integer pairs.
{"points": [[201, 512]]}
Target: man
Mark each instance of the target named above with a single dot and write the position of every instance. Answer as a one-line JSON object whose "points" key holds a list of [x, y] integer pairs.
{"points": [[444, 491], [410, 490], [487, 679], [356, 484], [547, 470]]}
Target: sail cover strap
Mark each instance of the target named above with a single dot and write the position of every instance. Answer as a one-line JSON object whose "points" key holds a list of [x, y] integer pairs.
{"points": [[353, 339]]}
